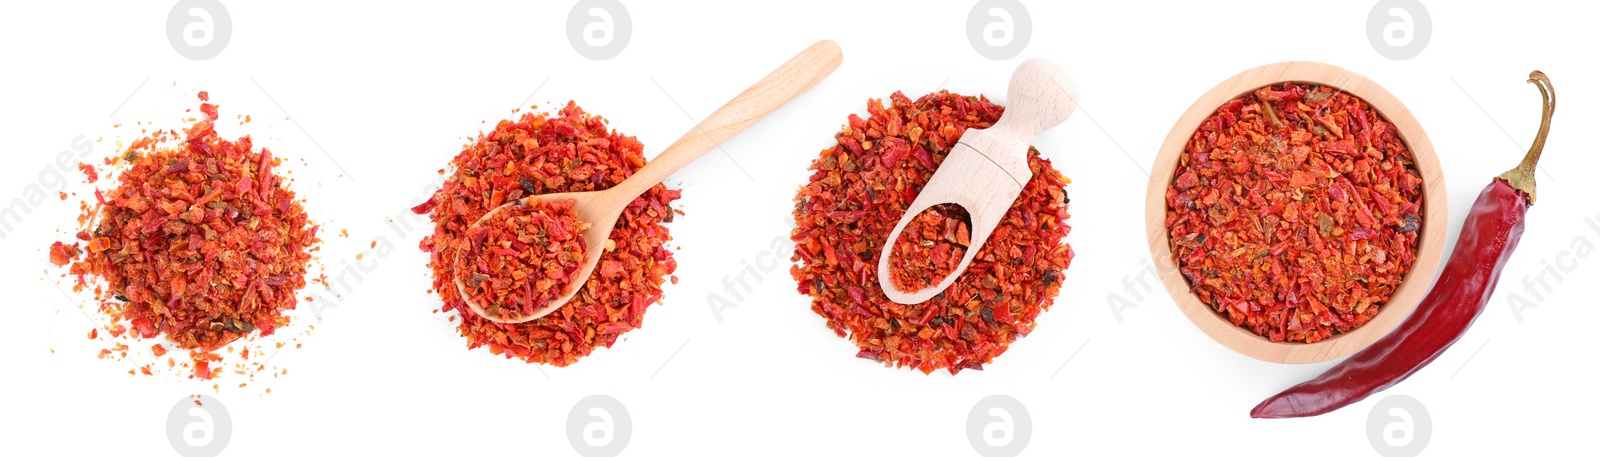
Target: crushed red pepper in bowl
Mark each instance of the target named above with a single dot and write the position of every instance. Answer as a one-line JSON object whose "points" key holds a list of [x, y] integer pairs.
{"points": [[522, 256], [855, 196], [930, 247], [1294, 212], [542, 153], [201, 242]]}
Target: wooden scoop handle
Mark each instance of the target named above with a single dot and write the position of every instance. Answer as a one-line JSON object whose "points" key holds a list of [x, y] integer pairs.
{"points": [[1041, 96]]}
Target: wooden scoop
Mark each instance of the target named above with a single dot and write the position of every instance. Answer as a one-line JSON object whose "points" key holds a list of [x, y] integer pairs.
{"points": [[985, 171], [601, 208]]}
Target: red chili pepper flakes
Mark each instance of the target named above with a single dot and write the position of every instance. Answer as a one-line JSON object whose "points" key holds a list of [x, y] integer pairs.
{"points": [[930, 247], [89, 173], [524, 255], [1294, 212], [62, 254], [540, 153], [199, 241], [857, 192]]}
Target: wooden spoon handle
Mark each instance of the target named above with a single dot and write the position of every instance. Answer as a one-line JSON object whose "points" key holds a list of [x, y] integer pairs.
{"points": [[795, 77]]}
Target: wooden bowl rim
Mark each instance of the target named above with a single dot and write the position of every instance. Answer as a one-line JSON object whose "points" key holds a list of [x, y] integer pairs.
{"points": [[1413, 287]]}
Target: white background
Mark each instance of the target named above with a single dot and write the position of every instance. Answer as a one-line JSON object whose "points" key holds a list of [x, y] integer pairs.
{"points": [[391, 93]]}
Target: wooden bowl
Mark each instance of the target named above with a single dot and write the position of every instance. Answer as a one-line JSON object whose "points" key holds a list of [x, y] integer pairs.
{"points": [[1430, 243]]}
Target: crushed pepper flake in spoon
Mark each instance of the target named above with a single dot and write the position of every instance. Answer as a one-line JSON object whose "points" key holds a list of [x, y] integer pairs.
{"points": [[541, 153], [522, 256]]}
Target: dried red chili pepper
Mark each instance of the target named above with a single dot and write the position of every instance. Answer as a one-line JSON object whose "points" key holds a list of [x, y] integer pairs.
{"points": [[570, 151], [519, 258], [857, 192], [200, 242], [1294, 212], [1488, 236]]}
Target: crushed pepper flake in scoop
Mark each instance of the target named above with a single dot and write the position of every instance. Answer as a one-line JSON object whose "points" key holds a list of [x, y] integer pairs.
{"points": [[930, 247], [857, 192]]}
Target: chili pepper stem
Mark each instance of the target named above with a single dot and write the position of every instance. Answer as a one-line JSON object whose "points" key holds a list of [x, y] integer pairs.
{"points": [[1521, 178]]}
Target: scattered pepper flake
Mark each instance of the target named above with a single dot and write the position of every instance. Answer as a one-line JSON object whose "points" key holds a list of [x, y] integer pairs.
{"points": [[61, 253]]}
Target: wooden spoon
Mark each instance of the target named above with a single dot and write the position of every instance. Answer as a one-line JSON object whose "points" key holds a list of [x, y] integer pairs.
{"points": [[601, 208], [985, 171]]}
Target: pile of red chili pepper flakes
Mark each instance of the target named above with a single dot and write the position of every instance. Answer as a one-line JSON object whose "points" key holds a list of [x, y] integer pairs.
{"points": [[200, 241], [858, 191], [524, 255], [571, 151], [930, 247], [1294, 212]]}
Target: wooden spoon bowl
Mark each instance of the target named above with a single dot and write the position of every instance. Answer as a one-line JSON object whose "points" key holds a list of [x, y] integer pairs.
{"points": [[1430, 245], [602, 208]]}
